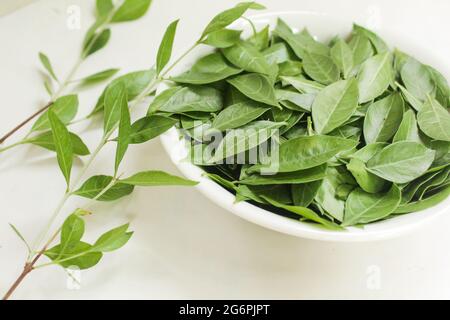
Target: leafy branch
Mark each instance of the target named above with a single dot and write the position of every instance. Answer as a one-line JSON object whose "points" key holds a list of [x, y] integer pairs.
{"points": [[115, 103], [96, 39]]}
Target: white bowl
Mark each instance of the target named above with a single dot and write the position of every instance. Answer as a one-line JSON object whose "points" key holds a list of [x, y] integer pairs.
{"points": [[324, 27]]}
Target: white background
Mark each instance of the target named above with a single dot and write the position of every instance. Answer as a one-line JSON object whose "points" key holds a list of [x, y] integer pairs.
{"points": [[185, 247]]}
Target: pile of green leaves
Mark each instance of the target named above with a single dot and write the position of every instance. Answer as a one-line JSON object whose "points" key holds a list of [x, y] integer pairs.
{"points": [[364, 132]]}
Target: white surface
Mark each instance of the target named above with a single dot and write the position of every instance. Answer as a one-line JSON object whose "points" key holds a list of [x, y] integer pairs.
{"points": [[324, 26], [184, 245]]}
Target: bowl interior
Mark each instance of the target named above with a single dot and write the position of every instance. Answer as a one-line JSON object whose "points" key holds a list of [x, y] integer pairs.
{"points": [[323, 27]]}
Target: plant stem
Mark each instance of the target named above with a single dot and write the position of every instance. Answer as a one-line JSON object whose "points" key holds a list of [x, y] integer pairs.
{"points": [[44, 232], [252, 25], [179, 59], [26, 270], [63, 86], [23, 123], [13, 145], [30, 266]]}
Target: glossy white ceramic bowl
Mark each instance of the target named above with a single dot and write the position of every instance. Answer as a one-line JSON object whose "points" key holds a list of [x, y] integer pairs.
{"points": [[323, 27]]}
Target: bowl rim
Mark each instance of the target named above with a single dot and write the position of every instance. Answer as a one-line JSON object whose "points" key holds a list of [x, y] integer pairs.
{"points": [[387, 229]]}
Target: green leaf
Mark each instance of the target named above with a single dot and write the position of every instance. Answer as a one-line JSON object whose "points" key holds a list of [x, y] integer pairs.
{"points": [[186, 99], [417, 79], [227, 17], [131, 10], [429, 202], [47, 65], [80, 256], [342, 55], [135, 83], [113, 240], [290, 68], [296, 177], [104, 8], [48, 86], [96, 184], [379, 44], [410, 190], [410, 98], [278, 193], [362, 207], [223, 38], [239, 140], [71, 232], [166, 46], [408, 130], [303, 85], [278, 53], [124, 135], [21, 237], [401, 162], [238, 114], [245, 56], [334, 105], [320, 67], [300, 43], [150, 127], [434, 120], [307, 152], [97, 42], [115, 101], [442, 87], [383, 119], [255, 86], [361, 48], [209, 69], [329, 197], [45, 140], [222, 181], [304, 213], [442, 158], [261, 39], [297, 101], [63, 145], [157, 178], [366, 180], [65, 108], [303, 194], [375, 76], [99, 77], [367, 152], [438, 179]]}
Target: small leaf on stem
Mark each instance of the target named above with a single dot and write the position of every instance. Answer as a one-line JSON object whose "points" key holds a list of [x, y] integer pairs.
{"points": [[63, 145], [45, 140], [113, 240], [65, 108], [99, 77], [166, 46], [47, 65], [104, 7], [17, 232], [115, 98], [97, 42], [131, 10], [71, 233], [157, 178], [124, 135], [92, 188]]}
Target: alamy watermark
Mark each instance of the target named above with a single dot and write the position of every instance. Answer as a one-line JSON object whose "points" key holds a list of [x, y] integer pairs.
{"points": [[73, 21]]}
